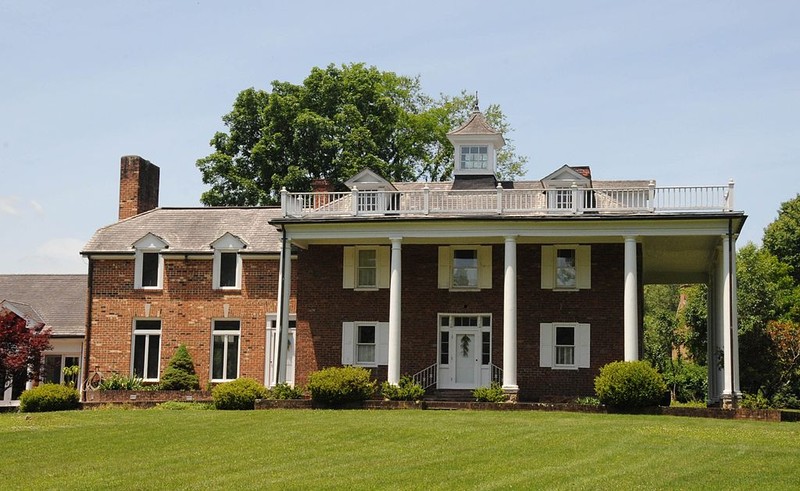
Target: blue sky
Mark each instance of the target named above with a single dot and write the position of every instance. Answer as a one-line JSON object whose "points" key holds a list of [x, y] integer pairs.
{"points": [[680, 92]]}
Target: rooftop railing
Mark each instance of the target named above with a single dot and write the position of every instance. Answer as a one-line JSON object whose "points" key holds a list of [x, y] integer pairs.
{"points": [[499, 201]]}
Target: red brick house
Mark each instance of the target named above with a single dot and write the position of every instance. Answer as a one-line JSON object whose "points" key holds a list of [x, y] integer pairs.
{"points": [[534, 284]]}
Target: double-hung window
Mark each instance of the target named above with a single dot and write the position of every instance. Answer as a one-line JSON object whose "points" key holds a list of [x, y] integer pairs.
{"points": [[225, 350], [367, 268], [227, 262], [149, 262], [564, 345], [465, 267], [365, 344], [146, 349], [566, 267]]}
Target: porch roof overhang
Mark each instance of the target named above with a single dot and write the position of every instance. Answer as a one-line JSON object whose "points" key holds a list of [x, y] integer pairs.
{"points": [[676, 247]]}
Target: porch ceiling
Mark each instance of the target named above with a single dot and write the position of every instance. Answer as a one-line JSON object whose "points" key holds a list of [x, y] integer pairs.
{"points": [[678, 259]]}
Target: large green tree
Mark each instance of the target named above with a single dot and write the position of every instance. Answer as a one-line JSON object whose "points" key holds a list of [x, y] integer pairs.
{"points": [[782, 236], [340, 120]]}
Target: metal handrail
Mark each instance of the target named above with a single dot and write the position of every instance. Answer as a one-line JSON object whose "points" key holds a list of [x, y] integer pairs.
{"points": [[427, 377]]}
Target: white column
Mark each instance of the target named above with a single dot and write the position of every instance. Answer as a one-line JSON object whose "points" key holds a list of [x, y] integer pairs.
{"points": [[394, 313], [631, 302], [282, 333], [734, 320], [510, 316], [727, 320]]}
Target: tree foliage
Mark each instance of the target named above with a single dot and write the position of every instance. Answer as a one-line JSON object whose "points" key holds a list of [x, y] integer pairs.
{"points": [[340, 120], [782, 236], [180, 374], [21, 347]]}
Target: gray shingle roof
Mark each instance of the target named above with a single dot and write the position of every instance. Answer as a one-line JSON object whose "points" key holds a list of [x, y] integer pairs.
{"points": [[57, 299], [475, 125], [191, 229]]}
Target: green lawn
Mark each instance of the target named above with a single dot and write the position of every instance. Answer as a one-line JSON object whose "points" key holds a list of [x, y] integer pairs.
{"points": [[305, 449]]}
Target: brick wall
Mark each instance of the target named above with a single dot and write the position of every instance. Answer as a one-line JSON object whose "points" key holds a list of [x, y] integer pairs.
{"points": [[186, 306], [323, 305]]}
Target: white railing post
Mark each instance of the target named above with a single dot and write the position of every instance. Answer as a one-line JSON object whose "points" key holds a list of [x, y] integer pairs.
{"points": [[426, 193], [729, 198], [354, 197], [651, 196], [575, 196], [284, 201], [499, 199]]}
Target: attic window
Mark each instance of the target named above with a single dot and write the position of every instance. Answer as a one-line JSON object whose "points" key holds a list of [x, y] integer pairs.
{"points": [[149, 262], [475, 157], [227, 264]]}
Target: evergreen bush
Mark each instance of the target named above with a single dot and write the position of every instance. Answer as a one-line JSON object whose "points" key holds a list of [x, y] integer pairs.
{"points": [[334, 386], [629, 385], [284, 391], [405, 390], [49, 397], [238, 394], [180, 374], [492, 393]]}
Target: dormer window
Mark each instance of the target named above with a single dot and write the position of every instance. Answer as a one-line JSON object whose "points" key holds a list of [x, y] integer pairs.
{"points": [[149, 262], [475, 157], [227, 266]]}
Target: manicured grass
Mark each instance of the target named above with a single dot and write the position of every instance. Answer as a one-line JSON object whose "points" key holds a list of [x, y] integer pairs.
{"points": [[409, 449]]}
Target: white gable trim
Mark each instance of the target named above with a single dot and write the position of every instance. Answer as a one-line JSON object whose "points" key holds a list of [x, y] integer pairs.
{"points": [[564, 176], [368, 180]]}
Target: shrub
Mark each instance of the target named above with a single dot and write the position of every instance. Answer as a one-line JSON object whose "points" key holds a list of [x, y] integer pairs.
{"points": [[405, 390], [757, 401], [689, 382], [629, 384], [238, 394], [588, 401], [492, 393], [339, 385], [180, 374], [49, 397], [285, 391], [121, 382]]}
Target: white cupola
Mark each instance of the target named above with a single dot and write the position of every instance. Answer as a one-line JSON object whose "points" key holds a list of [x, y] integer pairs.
{"points": [[475, 144]]}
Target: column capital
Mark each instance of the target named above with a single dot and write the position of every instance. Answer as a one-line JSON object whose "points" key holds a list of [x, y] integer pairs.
{"points": [[396, 239], [511, 237]]}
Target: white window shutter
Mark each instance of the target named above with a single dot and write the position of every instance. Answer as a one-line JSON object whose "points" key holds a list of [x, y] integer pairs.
{"points": [[548, 267], [545, 345], [348, 345], [485, 267], [582, 345], [445, 255], [349, 267], [382, 344], [138, 264], [216, 269], [383, 266], [583, 263]]}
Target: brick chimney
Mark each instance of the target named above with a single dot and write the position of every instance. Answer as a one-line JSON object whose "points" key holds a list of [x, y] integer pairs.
{"points": [[138, 186], [321, 186]]}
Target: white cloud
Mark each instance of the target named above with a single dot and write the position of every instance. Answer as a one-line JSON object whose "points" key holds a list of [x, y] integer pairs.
{"points": [[7, 205], [37, 207]]}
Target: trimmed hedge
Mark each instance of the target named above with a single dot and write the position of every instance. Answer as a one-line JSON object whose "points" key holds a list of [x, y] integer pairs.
{"points": [[339, 385], [405, 390], [49, 397], [284, 391], [629, 385], [238, 394], [492, 393]]}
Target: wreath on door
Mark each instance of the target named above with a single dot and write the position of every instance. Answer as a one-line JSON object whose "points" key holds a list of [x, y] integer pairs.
{"points": [[465, 345]]}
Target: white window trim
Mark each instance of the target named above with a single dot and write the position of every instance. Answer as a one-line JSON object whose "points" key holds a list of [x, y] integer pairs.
{"points": [[228, 243], [479, 329], [583, 267], [150, 243], [63, 357], [484, 254], [491, 164], [268, 366], [350, 343], [225, 332], [350, 267], [147, 333], [547, 345]]}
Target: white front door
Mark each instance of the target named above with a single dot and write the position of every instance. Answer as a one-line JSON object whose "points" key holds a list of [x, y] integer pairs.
{"points": [[270, 353], [466, 360]]}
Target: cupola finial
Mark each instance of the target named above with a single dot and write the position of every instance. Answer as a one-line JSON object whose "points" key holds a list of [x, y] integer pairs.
{"points": [[476, 107]]}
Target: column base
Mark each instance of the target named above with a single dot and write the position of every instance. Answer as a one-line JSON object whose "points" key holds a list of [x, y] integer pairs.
{"points": [[512, 393], [731, 401]]}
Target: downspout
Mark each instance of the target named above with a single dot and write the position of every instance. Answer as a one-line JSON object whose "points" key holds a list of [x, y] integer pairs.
{"points": [[87, 336], [283, 315]]}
